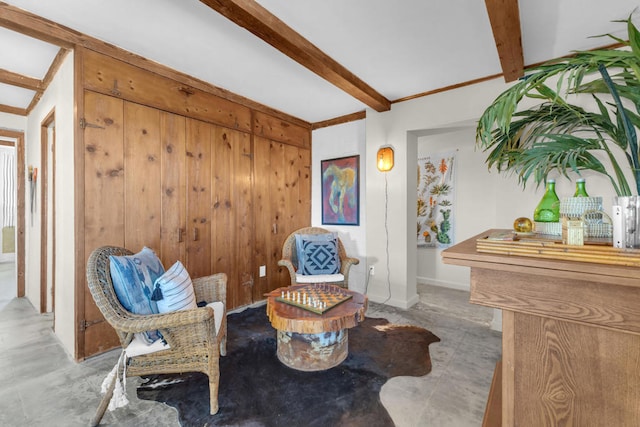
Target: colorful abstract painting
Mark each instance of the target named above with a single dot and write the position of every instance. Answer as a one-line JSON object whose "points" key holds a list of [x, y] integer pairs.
{"points": [[340, 191], [436, 200]]}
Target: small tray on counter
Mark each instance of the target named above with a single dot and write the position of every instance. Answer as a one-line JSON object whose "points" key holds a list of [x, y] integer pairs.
{"points": [[599, 251]]}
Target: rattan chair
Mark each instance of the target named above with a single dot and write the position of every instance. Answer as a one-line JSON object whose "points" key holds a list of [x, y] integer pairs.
{"points": [[290, 258], [191, 334]]}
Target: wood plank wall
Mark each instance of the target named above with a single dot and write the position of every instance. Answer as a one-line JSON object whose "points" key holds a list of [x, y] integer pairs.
{"points": [[197, 177]]}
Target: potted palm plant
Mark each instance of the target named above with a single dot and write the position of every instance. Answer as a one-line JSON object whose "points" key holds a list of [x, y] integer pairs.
{"points": [[558, 135]]}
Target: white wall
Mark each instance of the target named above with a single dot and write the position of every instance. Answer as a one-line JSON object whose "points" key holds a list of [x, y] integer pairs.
{"points": [[329, 143], [484, 200], [13, 122], [58, 97]]}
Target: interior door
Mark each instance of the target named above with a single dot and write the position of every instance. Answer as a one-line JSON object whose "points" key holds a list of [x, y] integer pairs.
{"points": [[103, 201], [142, 183], [173, 191], [232, 213], [198, 181], [282, 194]]}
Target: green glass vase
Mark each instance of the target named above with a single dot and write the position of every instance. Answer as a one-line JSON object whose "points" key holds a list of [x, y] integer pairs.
{"points": [[548, 210], [581, 191]]}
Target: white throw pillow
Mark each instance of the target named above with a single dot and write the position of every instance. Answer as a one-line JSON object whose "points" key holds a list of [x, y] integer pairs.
{"points": [[173, 290]]}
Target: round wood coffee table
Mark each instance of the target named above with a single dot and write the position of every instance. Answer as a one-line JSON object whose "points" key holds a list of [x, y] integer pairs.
{"points": [[308, 341]]}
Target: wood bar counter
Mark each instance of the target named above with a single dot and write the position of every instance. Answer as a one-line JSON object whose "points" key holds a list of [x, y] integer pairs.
{"points": [[570, 340]]}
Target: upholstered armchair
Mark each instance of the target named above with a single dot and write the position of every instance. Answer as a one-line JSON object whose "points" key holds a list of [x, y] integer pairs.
{"points": [[302, 243], [192, 339]]}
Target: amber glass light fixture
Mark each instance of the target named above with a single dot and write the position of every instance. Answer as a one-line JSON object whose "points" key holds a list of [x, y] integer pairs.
{"points": [[385, 159]]}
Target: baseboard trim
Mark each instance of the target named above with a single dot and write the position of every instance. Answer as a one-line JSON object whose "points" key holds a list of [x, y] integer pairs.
{"points": [[443, 283], [394, 302]]}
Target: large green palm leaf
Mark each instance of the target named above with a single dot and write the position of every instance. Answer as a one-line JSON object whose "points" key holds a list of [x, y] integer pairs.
{"points": [[559, 136]]}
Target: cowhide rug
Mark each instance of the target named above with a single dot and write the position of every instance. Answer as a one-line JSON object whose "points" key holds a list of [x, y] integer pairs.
{"points": [[256, 389]]}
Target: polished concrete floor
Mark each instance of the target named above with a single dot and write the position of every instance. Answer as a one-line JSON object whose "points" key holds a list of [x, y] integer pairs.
{"points": [[43, 386]]}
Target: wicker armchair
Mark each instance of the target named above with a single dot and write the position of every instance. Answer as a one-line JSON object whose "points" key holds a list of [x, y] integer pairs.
{"points": [[290, 257], [191, 334]]}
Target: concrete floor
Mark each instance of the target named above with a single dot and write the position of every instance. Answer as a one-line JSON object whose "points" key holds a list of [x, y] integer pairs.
{"points": [[43, 386]]}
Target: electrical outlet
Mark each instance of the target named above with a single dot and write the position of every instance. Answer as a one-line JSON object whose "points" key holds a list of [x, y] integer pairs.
{"points": [[263, 270], [372, 270]]}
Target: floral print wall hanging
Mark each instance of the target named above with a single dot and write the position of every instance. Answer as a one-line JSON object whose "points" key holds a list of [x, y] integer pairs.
{"points": [[436, 200]]}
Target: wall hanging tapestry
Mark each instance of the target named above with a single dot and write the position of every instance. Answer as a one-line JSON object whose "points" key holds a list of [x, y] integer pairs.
{"points": [[436, 200], [256, 389], [341, 191]]}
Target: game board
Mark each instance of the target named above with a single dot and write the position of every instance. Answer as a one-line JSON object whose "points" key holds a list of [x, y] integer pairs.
{"points": [[318, 298]]}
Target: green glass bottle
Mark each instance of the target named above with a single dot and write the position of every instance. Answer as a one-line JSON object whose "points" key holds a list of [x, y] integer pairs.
{"points": [[548, 210], [581, 191]]}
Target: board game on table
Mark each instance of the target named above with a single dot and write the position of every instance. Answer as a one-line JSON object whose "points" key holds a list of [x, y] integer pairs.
{"points": [[317, 298]]}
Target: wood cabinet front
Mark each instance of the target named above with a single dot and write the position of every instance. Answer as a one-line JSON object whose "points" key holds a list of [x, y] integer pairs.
{"points": [[185, 188], [570, 341]]}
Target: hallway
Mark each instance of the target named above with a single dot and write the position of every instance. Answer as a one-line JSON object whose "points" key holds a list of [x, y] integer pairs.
{"points": [[8, 287]]}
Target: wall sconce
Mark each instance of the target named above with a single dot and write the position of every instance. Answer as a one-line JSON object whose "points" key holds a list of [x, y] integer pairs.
{"points": [[385, 159]]}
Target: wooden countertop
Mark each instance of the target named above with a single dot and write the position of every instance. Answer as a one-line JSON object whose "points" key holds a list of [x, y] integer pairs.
{"points": [[466, 254]]}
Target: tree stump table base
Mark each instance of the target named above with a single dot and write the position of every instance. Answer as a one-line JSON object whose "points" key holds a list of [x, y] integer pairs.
{"points": [[309, 341], [313, 352]]}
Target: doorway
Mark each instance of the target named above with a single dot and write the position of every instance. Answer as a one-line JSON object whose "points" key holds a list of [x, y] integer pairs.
{"points": [[12, 216], [47, 214]]}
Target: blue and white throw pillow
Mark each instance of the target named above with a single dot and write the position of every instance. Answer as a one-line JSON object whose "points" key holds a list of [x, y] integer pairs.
{"points": [[318, 256], [323, 237], [133, 277], [173, 290]]}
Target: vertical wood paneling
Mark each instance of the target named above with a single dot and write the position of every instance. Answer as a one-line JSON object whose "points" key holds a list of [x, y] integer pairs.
{"points": [[198, 166], [304, 188], [290, 217], [262, 217], [232, 213], [173, 225], [279, 213], [282, 197], [103, 201], [104, 172], [242, 215], [223, 233], [142, 177], [243, 198]]}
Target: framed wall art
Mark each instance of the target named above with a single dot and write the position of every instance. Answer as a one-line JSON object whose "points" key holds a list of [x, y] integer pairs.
{"points": [[341, 191]]}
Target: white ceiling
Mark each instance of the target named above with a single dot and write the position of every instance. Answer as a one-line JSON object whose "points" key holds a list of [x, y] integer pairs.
{"points": [[400, 48]]}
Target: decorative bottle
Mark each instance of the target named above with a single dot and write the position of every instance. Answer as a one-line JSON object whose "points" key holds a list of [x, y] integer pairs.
{"points": [[581, 191], [548, 210]]}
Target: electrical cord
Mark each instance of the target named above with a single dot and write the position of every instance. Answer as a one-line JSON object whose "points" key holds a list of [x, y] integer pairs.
{"points": [[386, 231]]}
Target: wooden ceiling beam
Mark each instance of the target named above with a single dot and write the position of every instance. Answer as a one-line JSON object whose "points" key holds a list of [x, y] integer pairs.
{"points": [[13, 110], [15, 79], [26, 23], [504, 16], [262, 23]]}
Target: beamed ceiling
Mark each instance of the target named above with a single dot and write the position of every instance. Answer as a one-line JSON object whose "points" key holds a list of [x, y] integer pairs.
{"points": [[319, 61]]}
